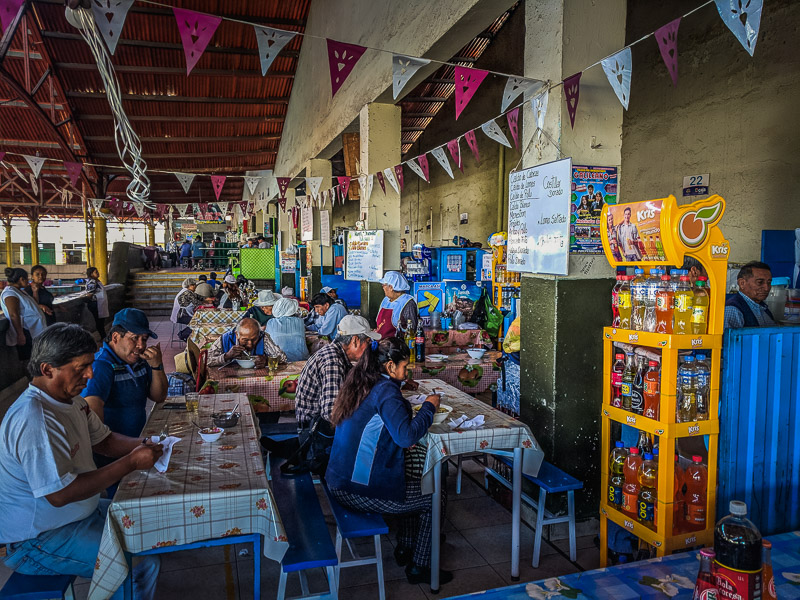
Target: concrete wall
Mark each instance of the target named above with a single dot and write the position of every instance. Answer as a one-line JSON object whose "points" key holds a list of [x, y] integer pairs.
{"points": [[732, 115], [123, 259]]}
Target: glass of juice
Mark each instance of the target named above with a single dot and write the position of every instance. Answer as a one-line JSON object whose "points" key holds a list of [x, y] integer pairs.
{"points": [[192, 401]]}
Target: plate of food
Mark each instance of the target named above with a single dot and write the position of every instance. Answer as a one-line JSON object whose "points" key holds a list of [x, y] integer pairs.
{"points": [[211, 434], [436, 357]]}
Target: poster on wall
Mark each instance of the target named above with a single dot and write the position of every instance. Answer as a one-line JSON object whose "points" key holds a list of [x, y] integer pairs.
{"points": [[288, 262], [634, 231], [364, 255], [306, 224], [212, 214], [325, 227], [592, 187], [538, 218]]}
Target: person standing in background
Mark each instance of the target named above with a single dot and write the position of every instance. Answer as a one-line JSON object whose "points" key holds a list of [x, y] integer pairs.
{"points": [[98, 302], [26, 319], [41, 294]]}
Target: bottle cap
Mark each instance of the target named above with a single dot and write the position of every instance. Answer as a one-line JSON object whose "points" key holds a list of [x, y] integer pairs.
{"points": [[697, 459], [689, 359], [684, 278], [738, 508], [620, 444], [653, 363], [708, 553], [655, 451], [701, 357], [619, 356], [676, 457], [699, 283], [766, 544], [634, 450], [701, 278], [648, 456], [665, 278], [654, 271]]}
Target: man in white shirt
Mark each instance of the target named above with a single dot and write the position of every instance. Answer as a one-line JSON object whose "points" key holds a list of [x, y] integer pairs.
{"points": [[51, 514]]}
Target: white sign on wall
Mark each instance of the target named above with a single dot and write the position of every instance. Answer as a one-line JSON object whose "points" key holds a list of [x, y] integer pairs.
{"points": [[363, 259], [538, 218], [325, 227], [307, 224]]}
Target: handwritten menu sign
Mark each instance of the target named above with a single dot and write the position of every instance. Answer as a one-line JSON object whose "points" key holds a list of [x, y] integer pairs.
{"points": [[538, 218], [364, 255], [325, 227], [307, 224]]}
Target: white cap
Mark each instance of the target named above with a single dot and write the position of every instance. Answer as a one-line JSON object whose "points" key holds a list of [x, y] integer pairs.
{"points": [[738, 508], [327, 289], [395, 280], [230, 279], [265, 298], [287, 291], [285, 307], [354, 325]]}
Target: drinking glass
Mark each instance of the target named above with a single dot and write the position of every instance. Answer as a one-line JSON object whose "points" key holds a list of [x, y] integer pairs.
{"points": [[192, 401], [272, 363]]}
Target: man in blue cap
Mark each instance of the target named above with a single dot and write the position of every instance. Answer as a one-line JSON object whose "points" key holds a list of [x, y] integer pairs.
{"points": [[126, 373]]}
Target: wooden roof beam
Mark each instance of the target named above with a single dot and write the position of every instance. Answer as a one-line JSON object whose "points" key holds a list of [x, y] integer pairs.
{"points": [[202, 155], [184, 119], [231, 138], [194, 99], [155, 70]]}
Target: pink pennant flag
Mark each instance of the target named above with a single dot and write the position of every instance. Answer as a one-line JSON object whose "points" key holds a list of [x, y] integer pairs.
{"points": [[455, 151], [243, 207], [282, 202], [8, 12], [381, 182], [467, 83], [196, 31], [572, 92], [2, 156], [398, 171], [73, 171], [667, 38], [283, 185], [513, 125], [422, 159], [472, 142], [341, 60], [295, 214], [344, 186], [218, 181]]}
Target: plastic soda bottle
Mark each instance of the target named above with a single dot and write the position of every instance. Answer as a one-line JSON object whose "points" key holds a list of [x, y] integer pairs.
{"points": [[687, 391], [703, 393], [652, 285], [696, 487], [652, 394], [664, 306], [684, 303], [700, 308], [648, 497], [627, 381], [637, 395], [616, 380], [615, 302], [706, 586], [767, 578], [624, 302], [616, 465], [679, 503], [630, 490], [639, 298], [411, 342], [419, 342], [738, 545]]}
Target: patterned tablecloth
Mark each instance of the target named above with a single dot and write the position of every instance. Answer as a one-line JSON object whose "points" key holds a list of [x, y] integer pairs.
{"points": [[277, 391], [462, 372], [210, 490], [499, 432], [668, 577], [208, 324], [448, 341]]}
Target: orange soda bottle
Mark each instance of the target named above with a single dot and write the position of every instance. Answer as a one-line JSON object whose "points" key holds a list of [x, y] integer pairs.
{"points": [[664, 306], [696, 487], [652, 394], [767, 577], [630, 490]]}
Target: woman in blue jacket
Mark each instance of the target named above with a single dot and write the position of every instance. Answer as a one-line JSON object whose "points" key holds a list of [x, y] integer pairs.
{"points": [[370, 468]]}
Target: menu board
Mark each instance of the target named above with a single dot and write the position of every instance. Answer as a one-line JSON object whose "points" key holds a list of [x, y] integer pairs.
{"points": [[538, 218], [307, 224], [325, 227], [364, 255], [288, 262]]}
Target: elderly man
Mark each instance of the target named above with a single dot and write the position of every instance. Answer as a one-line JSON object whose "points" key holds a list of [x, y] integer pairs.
{"points": [[51, 514], [329, 314], [398, 308], [334, 296], [245, 337], [126, 373], [261, 310], [747, 308]]}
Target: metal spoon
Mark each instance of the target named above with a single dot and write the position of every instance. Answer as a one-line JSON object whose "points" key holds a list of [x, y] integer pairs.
{"points": [[231, 413]]}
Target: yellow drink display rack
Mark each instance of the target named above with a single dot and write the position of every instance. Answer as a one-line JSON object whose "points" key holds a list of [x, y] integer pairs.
{"points": [[668, 233]]}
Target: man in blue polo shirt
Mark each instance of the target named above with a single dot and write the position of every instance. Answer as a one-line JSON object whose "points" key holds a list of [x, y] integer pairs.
{"points": [[126, 373]]}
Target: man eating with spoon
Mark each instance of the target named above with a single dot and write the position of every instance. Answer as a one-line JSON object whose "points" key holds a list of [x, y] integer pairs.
{"points": [[245, 341]]}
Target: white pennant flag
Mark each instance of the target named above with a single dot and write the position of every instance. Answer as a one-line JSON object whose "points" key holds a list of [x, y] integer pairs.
{"points": [[35, 163], [139, 208], [539, 106], [514, 87], [182, 208], [110, 17], [370, 184], [416, 168], [618, 70], [403, 69], [270, 43], [493, 131], [252, 184], [389, 175], [312, 185], [223, 207], [97, 203], [441, 157], [186, 180]]}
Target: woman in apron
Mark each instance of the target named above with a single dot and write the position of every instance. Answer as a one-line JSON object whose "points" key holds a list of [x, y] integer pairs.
{"points": [[25, 318], [98, 303], [397, 308]]}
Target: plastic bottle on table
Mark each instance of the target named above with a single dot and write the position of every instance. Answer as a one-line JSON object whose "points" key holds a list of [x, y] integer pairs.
{"points": [[652, 394], [615, 302], [665, 299], [696, 487], [738, 545], [703, 393], [687, 391], [706, 586], [625, 303], [767, 577], [628, 376], [651, 286], [616, 463], [684, 304], [411, 342], [639, 297], [679, 501], [637, 395], [700, 308], [648, 497], [616, 380], [420, 342], [630, 490]]}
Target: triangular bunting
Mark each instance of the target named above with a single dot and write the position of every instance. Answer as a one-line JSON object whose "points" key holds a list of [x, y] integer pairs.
{"points": [[252, 184], [415, 167], [282, 203], [473, 144], [743, 19], [186, 180], [35, 163], [454, 147], [223, 207], [73, 171], [572, 92], [403, 69], [441, 158], [344, 187], [97, 203], [8, 12], [379, 175], [218, 181], [667, 38], [110, 17], [370, 185], [341, 60], [283, 185], [493, 131], [196, 31], [467, 83], [398, 171], [513, 125], [312, 185], [539, 106], [390, 177], [270, 43], [139, 208], [422, 159], [182, 208], [617, 68], [295, 216], [514, 87]]}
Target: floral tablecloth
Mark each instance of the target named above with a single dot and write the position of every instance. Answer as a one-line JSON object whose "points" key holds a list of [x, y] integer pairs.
{"points": [[266, 394], [462, 372], [210, 490], [208, 324], [668, 577], [499, 432], [449, 340]]}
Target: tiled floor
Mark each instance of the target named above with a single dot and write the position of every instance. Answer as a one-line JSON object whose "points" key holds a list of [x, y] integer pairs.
{"points": [[477, 548]]}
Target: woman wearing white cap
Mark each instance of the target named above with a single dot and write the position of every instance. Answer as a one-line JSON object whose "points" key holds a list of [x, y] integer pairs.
{"points": [[287, 330], [230, 291], [261, 310], [397, 308]]}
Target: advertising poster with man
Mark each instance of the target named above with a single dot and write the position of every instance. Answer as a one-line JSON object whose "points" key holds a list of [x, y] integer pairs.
{"points": [[592, 187], [634, 231]]}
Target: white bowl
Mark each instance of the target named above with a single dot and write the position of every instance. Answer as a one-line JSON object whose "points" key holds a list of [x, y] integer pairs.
{"points": [[438, 417], [246, 363], [476, 352], [213, 434]]}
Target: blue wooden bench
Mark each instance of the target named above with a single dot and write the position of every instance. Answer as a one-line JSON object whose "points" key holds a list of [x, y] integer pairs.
{"points": [[351, 524], [37, 587], [310, 543], [551, 480]]}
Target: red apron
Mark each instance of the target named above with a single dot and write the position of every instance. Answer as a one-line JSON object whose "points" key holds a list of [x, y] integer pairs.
{"points": [[384, 323]]}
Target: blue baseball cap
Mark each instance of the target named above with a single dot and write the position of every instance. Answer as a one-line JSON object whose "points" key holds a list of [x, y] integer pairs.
{"points": [[135, 321]]}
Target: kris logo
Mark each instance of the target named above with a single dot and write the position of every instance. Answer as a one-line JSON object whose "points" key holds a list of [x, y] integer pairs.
{"points": [[633, 337], [630, 420], [628, 524], [690, 540], [697, 342], [649, 213], [720, 251], [694, 429], [693, 226]]}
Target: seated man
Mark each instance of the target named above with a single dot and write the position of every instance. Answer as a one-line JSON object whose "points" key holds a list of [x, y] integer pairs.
{"points": [[245, 337], [334, 296], [747, 308], [328, 315], [261, 310], [51, 514]]}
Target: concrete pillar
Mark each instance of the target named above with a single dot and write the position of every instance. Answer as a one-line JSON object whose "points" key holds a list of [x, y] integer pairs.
{"points": [[380, 149], [9, 246], [151, 234], [101, 248], [34, 223], [287, 234], [318, 167], [563, 317]]}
